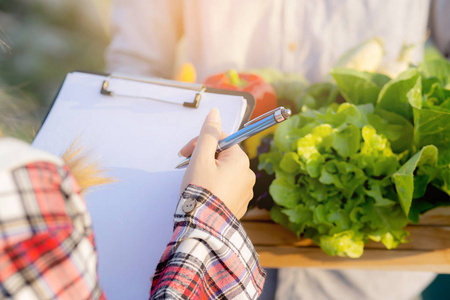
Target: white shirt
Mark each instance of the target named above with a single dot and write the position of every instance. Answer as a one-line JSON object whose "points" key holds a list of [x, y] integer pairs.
{"points": [[306, 37]]}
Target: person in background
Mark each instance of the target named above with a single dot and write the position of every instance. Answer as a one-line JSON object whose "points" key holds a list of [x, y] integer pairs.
{"points": [[306, 37], [151, 38], [47, 245]]}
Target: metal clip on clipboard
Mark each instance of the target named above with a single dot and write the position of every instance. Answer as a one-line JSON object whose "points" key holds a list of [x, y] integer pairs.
{"points": [[164, 82]]}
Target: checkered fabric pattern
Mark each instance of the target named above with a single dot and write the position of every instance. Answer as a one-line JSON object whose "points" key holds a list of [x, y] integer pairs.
{"points": [[209, 257], [46, 241], [47, 248]]}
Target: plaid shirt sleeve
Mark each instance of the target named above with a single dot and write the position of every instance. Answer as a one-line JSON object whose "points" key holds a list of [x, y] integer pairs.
{"points": [[210, 256], [46, 241]]}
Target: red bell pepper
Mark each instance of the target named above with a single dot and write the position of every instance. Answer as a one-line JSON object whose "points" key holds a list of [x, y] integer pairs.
{"points": [[262, 91]]}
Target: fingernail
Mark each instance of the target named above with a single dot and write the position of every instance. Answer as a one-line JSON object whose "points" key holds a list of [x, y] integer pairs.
{"points": [[213, 116], [180, 155]]}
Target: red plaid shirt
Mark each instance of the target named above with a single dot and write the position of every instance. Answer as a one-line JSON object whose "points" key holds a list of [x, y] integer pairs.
{"points": [[210, 256], [47, 248]]}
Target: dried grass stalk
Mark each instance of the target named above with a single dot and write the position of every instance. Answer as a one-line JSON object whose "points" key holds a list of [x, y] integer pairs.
{"points": [[86, 170]]}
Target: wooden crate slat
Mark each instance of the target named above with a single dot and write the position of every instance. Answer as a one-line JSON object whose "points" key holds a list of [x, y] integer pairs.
{"points": [[437, 216], [428, 249], [257, 214], [373, 259], [421, 237]]}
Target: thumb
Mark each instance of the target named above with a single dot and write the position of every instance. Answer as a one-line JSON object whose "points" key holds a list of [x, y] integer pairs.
{"points": [[209, 136]]}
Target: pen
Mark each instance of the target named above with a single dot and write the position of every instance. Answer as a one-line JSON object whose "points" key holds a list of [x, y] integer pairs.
{"points": [[251, 128]]}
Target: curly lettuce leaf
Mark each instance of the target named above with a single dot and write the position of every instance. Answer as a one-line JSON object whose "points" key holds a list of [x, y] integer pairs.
{"points": [[398, 130], [285, 192], [270, 161], [432, 121], [287, 85], [318, 95], [386, 224], [404, 177], [345, 243], [437, 68], [437, 96], [327, 177], [346, 113], [357, 171], [359, 87], [376, 157], [393, 96], [287, 133], [346, 140], [278, 216]]}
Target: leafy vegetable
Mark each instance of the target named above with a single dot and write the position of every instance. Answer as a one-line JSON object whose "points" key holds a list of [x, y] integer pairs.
{"points": [[404, 177], [359, 87], [432, 109], [286, 85], [438, 68], [394, 95], [358, 171], [332, 181], [318, 95]]}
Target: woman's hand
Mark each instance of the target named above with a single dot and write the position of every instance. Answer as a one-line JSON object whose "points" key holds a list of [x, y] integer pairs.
{"points": [[228, 176]]}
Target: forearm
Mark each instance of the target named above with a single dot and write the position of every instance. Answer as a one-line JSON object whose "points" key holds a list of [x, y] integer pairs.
{"points": [[209, 255]]}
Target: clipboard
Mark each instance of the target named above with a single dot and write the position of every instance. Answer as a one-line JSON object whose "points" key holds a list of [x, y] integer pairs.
{"points": [[134, 127]]}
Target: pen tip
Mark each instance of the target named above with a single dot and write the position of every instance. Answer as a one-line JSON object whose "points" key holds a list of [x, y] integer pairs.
{"points": [[183, 164]]}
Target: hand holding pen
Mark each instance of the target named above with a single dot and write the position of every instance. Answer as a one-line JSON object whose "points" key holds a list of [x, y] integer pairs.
{"points": [[225, 171], [251, 128], [227, 175]]}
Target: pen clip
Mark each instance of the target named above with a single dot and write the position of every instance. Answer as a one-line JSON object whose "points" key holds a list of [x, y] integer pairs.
{"points": [[263, 116]]}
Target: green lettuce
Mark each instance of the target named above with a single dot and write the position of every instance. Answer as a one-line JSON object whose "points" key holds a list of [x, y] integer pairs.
{"points": [[361, 170], [359, 87], [431, 109], [333, 179]]}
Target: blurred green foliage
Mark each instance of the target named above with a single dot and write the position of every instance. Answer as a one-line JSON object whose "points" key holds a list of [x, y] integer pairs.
{"points": [[41, 41]]}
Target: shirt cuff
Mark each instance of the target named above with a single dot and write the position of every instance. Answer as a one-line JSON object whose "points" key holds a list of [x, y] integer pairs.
{"points": [[198, 208], [203, 210]]}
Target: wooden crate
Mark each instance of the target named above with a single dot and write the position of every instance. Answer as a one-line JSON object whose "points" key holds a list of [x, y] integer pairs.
{"points": [[428, 249]]}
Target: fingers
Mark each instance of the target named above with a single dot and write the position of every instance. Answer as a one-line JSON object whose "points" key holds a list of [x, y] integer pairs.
{"points": [[209, 137], [229, 176], [187, 149], [236, 154]]}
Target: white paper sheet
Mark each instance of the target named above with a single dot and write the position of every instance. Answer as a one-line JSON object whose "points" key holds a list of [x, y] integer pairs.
{"points": [[138, 141]]}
